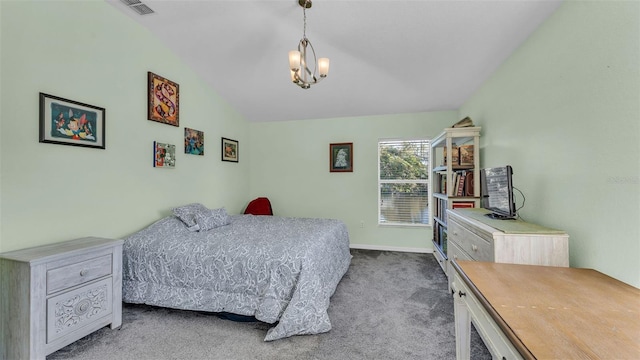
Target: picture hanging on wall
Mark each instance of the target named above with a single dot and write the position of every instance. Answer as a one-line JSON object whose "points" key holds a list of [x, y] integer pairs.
{"points": [[164, 155], [68, 122], [229, 150], [164, 100], [193, 142], [341, 157]]}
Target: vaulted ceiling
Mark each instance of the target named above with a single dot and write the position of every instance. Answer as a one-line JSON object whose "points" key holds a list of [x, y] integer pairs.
{"points": [[387, 56]]}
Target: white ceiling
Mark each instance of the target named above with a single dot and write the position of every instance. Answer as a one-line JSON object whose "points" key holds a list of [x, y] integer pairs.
{"points": [[387, 56]]}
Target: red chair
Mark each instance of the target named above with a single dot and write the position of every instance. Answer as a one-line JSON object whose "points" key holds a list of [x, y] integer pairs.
{"points": [[259, 206]]}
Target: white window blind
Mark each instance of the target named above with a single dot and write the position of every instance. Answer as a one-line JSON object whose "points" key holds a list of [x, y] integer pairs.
{"points": [[403, 182]]}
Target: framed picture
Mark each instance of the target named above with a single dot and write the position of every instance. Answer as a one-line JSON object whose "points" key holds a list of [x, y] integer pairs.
{"points": [[164, 155], [193, 142], [68, 122], [229, 150], [341, 157], [164, 100]]}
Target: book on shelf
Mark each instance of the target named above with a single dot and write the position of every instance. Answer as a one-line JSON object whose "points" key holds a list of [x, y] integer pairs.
{"points": [[454, 156], [463, 204], [466, 155], [460, 176], [443, 183], [468, 184], [454, 182]]}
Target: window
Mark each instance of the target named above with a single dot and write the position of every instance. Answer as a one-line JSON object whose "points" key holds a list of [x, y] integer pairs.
{"points": [[403, 182]]}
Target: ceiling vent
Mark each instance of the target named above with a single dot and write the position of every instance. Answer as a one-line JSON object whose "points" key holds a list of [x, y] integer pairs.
{"points": [[138, 7]]}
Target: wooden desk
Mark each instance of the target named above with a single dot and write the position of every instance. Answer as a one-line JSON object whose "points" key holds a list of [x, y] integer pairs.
{"points": [[544, 312]]}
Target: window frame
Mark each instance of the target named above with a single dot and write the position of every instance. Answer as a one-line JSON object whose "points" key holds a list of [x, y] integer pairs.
{"points": [[426, 181]]}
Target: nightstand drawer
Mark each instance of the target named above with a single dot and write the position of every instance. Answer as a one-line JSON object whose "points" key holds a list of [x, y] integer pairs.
{"points": [[76, 309], [78, 273], [478, 248]]}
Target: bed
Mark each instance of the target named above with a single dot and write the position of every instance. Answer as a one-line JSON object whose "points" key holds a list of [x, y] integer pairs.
{"points": [[280, 270]]}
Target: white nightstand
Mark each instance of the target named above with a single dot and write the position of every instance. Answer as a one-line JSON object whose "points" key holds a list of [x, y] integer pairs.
{"points": [[53, 295]]}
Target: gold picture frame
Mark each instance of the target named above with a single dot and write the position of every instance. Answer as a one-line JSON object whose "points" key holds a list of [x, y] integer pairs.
{"points": [[163, 103]]}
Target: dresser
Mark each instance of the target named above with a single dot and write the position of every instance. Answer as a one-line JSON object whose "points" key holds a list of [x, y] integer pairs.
{"points": [[474, 236], [544, 312], [53, 295]]}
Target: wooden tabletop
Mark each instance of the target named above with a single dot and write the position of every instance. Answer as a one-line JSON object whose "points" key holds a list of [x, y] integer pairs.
{"points": [[558, 313]]}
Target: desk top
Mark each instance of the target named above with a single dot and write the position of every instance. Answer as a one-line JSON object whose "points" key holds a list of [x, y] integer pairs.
{"points": [[558, 313]]}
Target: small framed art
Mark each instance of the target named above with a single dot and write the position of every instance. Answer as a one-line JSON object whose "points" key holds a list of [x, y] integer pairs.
{"points": [[193, 142], [341, 157], [164, 155], [163, 100], [68, 122], [229, 150]]}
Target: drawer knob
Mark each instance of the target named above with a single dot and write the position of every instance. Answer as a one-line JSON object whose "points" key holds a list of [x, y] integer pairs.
{"points": [[461, 294], [83, 272], [474, 247]]}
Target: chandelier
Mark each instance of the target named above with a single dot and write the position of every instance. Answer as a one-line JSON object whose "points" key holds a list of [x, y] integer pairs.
{"points": [[301, 74]]}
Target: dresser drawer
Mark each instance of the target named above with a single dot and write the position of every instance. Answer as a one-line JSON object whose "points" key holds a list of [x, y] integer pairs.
{"points": [[477, 247], [77, 273], [455, 253]]}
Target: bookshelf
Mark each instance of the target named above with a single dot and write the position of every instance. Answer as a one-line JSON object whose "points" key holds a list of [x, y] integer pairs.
{"points": [[455, 180]]}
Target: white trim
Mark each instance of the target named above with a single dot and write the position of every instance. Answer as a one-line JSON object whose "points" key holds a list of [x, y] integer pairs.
{"points": [[391, 248]]}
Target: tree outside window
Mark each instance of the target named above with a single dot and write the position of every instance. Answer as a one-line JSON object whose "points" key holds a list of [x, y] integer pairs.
{"points": [[403, 182]]}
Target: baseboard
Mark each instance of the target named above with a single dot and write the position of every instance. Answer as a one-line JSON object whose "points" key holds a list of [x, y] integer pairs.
{"points": [[390, 248]]}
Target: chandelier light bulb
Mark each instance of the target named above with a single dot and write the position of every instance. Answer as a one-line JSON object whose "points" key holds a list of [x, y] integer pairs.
{"points": [[294, 60], [323, 67]]}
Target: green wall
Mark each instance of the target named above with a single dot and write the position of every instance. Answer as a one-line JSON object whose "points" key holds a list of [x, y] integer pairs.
{"points": [[290, 165], [564, 111], [89, 52]]}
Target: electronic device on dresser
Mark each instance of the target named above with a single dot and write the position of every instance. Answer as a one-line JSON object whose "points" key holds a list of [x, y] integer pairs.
{"points": [[497, 192]]}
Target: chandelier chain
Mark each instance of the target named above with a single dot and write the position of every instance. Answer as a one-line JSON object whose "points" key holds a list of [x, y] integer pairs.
{"points": [[304, 31]]}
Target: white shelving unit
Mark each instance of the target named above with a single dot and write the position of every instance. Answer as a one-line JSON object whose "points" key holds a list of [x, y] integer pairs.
{"points": [[443, 181]]}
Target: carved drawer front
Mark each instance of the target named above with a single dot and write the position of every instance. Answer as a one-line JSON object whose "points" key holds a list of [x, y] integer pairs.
{"points": [[78, 273], [478, 248], [72, 310]]}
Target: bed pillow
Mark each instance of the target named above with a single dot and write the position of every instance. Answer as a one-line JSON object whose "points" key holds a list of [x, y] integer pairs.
{"points": [[211, 219], [187, 214]]}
